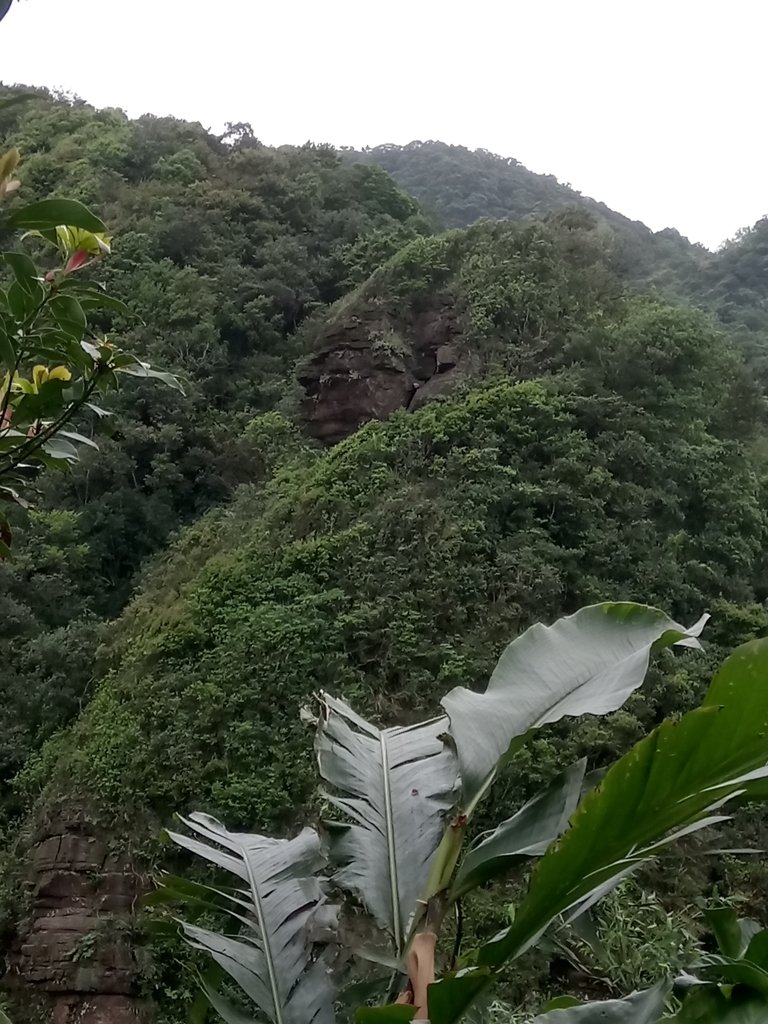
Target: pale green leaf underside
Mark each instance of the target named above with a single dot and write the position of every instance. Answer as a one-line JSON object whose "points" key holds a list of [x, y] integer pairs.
{"points": [[270, 956], [396, 788], [586, 663], [639, 1008]]}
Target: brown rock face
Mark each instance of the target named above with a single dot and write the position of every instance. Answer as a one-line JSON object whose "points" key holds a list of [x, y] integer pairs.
{"points": [[73, 953], [375, 361]]}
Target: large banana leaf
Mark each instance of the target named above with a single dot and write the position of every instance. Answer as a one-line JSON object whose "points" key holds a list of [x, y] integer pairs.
{"points": [[397, 788], [671, 783], [587, 663], [271, 959]]}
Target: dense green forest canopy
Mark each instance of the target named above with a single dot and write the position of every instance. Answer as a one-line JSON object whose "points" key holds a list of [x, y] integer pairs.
{"points": [[177, 597]]}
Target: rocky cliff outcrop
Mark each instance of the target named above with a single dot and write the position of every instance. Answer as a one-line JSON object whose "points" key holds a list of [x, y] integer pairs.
{"points": [[73, 958], [376, 360]]}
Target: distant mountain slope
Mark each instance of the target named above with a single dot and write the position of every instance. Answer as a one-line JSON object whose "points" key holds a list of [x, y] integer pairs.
{"points": [[458, 187], [735, 284]]}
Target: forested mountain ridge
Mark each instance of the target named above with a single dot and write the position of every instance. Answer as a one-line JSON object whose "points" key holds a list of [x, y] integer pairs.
{"points": [[550, 437], [459, 186]]}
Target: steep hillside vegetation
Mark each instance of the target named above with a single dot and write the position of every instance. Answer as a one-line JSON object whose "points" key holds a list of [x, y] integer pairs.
{"points": [[550, 437], [399, 562], [603, 473], [223, 248]]}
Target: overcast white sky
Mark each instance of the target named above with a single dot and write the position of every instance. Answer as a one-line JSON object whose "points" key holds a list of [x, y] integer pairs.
{"points": [[657, 107]]}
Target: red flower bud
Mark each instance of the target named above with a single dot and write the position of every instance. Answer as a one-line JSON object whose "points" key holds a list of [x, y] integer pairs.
{"points": [[77, 260]]}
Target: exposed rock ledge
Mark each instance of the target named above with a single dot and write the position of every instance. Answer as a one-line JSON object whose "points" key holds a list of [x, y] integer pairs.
{"points": [[72, 955], [376, 361]]}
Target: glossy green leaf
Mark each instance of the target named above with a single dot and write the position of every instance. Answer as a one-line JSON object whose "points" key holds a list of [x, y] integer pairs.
{"points": [[139, 369], [48, 401], [69, 315], [561, 1003], [101, 413], [24, 270], [51, 213], [449, 999], [54, 346], [392, 1014], [587, 663], [23, 302], [7, 351], [10, 439], [736, 972], [709, 1005], [732, 934], [38, 351], [106, 381], [528, 833], [78, 438], [671, 783], [757, 950], [59, 448], [9, 494], [92, 299]]}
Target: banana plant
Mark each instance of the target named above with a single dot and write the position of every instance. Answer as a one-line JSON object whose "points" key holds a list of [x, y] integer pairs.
{"points": [[403, 799]]}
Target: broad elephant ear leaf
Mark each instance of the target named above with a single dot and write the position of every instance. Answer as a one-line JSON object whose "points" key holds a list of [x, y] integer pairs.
{"points": [[271, 958], [586, 663], [669, 784], [396, 788]]}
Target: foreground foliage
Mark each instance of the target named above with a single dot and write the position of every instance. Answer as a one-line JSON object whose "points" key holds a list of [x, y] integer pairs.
{"points": [[726, 987], [404, 798], [51, 364]]}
